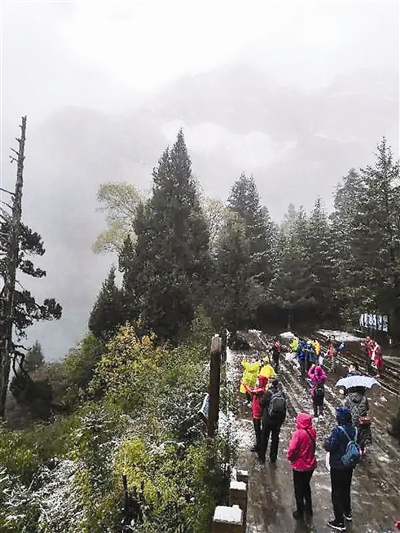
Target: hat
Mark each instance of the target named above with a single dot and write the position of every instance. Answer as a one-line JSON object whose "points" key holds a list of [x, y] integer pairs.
{"points": [[262, 380], [275, 383], [343, 415]]}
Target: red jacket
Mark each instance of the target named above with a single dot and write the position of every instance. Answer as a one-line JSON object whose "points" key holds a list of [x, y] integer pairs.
{"points": [[301, 449], [256, 394]]}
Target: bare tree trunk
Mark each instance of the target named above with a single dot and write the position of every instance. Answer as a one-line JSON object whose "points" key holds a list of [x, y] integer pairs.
{"points": [[9, 275]]}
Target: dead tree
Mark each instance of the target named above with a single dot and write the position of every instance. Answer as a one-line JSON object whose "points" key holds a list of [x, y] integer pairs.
{"points": [[9, 271]]}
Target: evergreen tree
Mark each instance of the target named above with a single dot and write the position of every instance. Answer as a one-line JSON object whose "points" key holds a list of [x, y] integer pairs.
{"points": [[18, 307], [321, 263], [372, 220], [34, 359], [245, 201], [290, 288], [349, 292], [237, 294], [171, 262], [108, 312]]}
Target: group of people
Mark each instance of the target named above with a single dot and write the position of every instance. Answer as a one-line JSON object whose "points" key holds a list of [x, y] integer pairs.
{"points": [[308, 352], [269, 409], [373, 356]]}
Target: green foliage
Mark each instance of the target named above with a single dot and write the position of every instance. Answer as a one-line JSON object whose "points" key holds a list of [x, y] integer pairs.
{"points": [[80, 364], [237, 294], [171, 260], [245, 202], [119, 203], [35, 395], [34, 359], [365, 223], [126, 368], [108, 312]]}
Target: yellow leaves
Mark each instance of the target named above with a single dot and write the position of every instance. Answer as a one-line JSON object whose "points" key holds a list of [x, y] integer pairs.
{"points": [[146, 341]]}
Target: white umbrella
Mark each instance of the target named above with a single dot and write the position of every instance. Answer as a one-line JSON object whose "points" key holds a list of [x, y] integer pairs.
{"points": [[357, 381]]}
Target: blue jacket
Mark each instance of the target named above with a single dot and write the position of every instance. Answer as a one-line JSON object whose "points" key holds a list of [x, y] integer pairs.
{"points": [[301, 351], [336, 444]]}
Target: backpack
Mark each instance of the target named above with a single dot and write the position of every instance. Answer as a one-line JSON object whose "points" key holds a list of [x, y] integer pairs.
{"points": [[277, 404], [352, 455]]}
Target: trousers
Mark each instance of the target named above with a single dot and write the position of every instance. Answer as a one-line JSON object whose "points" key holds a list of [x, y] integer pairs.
{"points": [[302, 491], [267, 430], [341, 486]]}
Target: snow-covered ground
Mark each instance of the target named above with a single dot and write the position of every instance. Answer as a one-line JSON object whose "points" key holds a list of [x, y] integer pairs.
{"points": [[341, 336]]}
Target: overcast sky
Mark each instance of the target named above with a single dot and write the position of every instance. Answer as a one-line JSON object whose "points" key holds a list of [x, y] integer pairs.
{"points": [[294, 93]]}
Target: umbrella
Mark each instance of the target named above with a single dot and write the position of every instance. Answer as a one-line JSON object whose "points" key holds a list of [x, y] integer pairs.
{"points": [[357, 381]]}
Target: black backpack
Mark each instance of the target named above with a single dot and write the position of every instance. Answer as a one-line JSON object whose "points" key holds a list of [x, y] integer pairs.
{"points": [[277, 405]]}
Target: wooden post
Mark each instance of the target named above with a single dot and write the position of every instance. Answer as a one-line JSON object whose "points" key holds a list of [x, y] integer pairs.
{"points": [[215, 372]]}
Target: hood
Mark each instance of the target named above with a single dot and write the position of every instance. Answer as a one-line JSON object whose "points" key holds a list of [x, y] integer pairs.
{"points": [[304, 421], [356, 397], [343, 415], [262, 380]]}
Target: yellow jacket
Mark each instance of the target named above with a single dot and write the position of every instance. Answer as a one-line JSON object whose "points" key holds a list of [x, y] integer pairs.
{"points": [[268, 371], [250, 373], [317, 347]]}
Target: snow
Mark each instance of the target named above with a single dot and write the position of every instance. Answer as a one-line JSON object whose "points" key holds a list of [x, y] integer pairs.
{"points": [[231, 515], [238, 485], [342, 336], [287, 335]]}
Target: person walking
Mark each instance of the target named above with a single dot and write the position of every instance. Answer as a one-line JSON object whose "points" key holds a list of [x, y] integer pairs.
{"points": [[354, 370], [274, 413], [357, 403], [257, 393], [331, 356], [368, 346], [310, 355], [276, 352], [318, 378], [341, 475], [301, 454], [377, 357], [302, 356]]}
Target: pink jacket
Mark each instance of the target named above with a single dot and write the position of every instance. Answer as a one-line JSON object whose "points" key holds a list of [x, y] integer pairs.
{"points": [[301, 449], [316, 373]]}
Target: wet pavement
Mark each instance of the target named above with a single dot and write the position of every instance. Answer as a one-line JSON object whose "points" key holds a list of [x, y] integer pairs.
{"points": [[376, 480]]}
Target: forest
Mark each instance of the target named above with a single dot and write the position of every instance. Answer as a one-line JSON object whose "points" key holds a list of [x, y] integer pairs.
{"points": [[124, 403]]}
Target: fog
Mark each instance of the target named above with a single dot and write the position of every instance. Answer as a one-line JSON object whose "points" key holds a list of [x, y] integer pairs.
{"points": [[295, 94]]}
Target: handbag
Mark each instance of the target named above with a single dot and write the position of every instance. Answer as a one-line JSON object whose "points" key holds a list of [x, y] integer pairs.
{"points": [[364, 421]]}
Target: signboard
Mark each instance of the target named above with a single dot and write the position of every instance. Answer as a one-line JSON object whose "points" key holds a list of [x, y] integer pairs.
{"points": [[377, 322]]}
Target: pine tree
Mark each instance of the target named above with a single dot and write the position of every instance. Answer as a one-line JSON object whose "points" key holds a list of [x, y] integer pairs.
{"points": [[237, 294], [375, 241], [171, 262], [349, 292], [18, 307], [290, 288], [245, 201], [108, 312], [321, 263], [34, 359]]}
